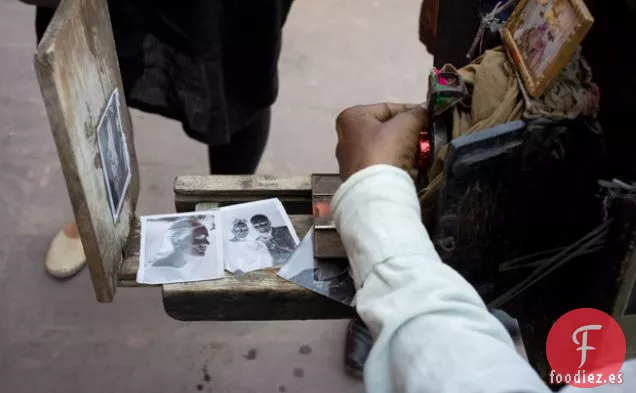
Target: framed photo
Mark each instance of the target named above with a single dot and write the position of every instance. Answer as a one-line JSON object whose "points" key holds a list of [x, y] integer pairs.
{"points": [[541, 37], [113, 150]]}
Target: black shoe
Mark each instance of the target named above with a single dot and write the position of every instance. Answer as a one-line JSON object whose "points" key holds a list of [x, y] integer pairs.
{"points": [[358, 344]]}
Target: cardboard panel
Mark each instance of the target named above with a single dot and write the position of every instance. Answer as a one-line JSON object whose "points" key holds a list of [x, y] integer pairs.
{"points": [[77, 68]]}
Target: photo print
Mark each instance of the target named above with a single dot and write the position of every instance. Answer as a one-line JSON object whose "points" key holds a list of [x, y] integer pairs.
{"points": [[257, 235], [180, 248], [113, 150], [330, 279]]}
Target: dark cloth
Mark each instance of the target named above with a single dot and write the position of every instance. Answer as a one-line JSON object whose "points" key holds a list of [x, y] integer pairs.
{"points": [[211, 64], [242, 155]]}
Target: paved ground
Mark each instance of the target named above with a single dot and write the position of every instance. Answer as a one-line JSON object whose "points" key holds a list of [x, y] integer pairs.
{"points": [[54, 335]]}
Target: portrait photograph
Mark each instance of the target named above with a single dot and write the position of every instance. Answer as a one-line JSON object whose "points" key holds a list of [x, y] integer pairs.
{"points": [[330, 279], [180, 247], [257, 235], [542, 36], [113, 150]]}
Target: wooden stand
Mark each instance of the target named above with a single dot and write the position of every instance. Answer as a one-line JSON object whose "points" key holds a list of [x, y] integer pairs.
{"points": [[257, 296]]}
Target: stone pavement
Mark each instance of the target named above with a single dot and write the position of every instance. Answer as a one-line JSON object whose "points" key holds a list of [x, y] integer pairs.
{"points": [[54, 336]]}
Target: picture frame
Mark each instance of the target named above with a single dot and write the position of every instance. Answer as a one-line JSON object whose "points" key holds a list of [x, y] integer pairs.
{"points": [[541, 37]]}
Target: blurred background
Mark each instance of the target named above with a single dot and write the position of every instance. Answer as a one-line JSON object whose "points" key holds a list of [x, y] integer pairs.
{"points": [[54, 335]]}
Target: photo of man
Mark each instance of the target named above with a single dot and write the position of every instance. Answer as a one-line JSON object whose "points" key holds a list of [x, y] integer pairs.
{"points": [[185, 238], [244, 252], [258, 235], [278, 241], [180, 248], [114, 155]]}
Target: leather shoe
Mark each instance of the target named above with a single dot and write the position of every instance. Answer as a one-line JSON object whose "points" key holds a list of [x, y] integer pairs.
{"points": [[358, 344]]}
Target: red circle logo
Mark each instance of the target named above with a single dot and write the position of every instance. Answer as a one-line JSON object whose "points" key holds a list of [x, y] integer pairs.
{"points": [[586, 348]]}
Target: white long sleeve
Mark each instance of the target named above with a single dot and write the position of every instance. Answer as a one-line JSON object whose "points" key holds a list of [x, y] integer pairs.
{"points": [[432, 330]]}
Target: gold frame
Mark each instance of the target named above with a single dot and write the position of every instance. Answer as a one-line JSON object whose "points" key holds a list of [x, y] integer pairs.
{"points": [[536, 86]]}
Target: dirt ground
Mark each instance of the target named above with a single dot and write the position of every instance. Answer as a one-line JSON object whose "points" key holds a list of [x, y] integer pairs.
{"points": [[55, 336]]}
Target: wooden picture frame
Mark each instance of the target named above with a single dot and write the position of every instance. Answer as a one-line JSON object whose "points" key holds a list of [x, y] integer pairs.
{"points": [[541, 37], [78, 71]]}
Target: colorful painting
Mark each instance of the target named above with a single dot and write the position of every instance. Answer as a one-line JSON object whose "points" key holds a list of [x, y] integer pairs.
{"points": [[542, 36]]}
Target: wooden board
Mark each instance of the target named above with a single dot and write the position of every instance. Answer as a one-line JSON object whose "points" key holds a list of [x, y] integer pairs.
{"points": [[130, 265], [294, 192], [327, 243], [256, 296], [77, 68]]}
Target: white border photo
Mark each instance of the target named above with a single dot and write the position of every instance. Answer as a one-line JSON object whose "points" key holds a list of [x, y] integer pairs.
{"points": [[257, 235], [181, 247], [115, 159]]}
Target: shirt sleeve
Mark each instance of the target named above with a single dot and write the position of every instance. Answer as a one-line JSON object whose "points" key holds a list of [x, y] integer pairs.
{"points": [[432, 330]]}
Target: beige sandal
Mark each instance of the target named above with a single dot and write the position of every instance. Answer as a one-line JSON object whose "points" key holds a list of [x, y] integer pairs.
{"points": [[66, 256]]}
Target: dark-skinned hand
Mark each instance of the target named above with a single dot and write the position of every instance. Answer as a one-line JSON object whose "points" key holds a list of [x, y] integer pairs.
{"points": [[378, 134]]}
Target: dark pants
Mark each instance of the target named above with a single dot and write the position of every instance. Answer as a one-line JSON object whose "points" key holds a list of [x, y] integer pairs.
{"points": [[240, 157]]}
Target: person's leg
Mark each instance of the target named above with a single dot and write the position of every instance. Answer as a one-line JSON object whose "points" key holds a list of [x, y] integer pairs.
{"points": [[242, 155], [43, 16]]}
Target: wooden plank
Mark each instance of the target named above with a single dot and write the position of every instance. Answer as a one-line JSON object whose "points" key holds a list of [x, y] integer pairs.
{"points": [[294, 192], [128, 272], [77, 69], [325, 184], [256, 296], [327, 243]]}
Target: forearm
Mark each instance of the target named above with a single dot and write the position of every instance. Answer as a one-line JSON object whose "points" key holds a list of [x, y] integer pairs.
{"points": [[432, 330]]}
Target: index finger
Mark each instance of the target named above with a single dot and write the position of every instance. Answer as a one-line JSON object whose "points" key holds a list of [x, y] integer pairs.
{"points": [[385, 111]]}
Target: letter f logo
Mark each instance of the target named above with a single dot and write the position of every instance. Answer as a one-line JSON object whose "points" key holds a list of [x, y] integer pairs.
{"points": [[583, 344]]}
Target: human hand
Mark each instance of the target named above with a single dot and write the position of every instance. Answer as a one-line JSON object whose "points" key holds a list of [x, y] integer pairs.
{"points": [[378, 134]]}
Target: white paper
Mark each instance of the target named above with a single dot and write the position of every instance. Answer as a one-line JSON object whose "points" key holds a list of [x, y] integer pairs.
{"points": [[181, 247], [257, 235]]}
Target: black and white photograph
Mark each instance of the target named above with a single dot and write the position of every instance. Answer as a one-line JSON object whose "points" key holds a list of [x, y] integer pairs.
{"points": [[113, 150], [181, 247], [330, 279], [257, 235]]}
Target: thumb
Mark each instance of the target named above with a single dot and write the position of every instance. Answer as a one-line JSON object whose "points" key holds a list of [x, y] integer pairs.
{"points": [[409, 123]]}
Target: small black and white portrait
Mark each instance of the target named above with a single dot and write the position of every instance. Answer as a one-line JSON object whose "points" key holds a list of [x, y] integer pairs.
{"points": [[180, 248], [330, 279], [113, 150], [257, 235]]}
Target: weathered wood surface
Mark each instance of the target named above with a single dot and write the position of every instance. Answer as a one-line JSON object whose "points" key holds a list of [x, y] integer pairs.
{"points": [[255, 296], [327, 243], [325, 184], [293, 192], [128, 272], [77, 69]]}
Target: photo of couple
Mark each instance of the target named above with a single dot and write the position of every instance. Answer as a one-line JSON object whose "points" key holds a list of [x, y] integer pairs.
{"points": [[257, 235]]}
